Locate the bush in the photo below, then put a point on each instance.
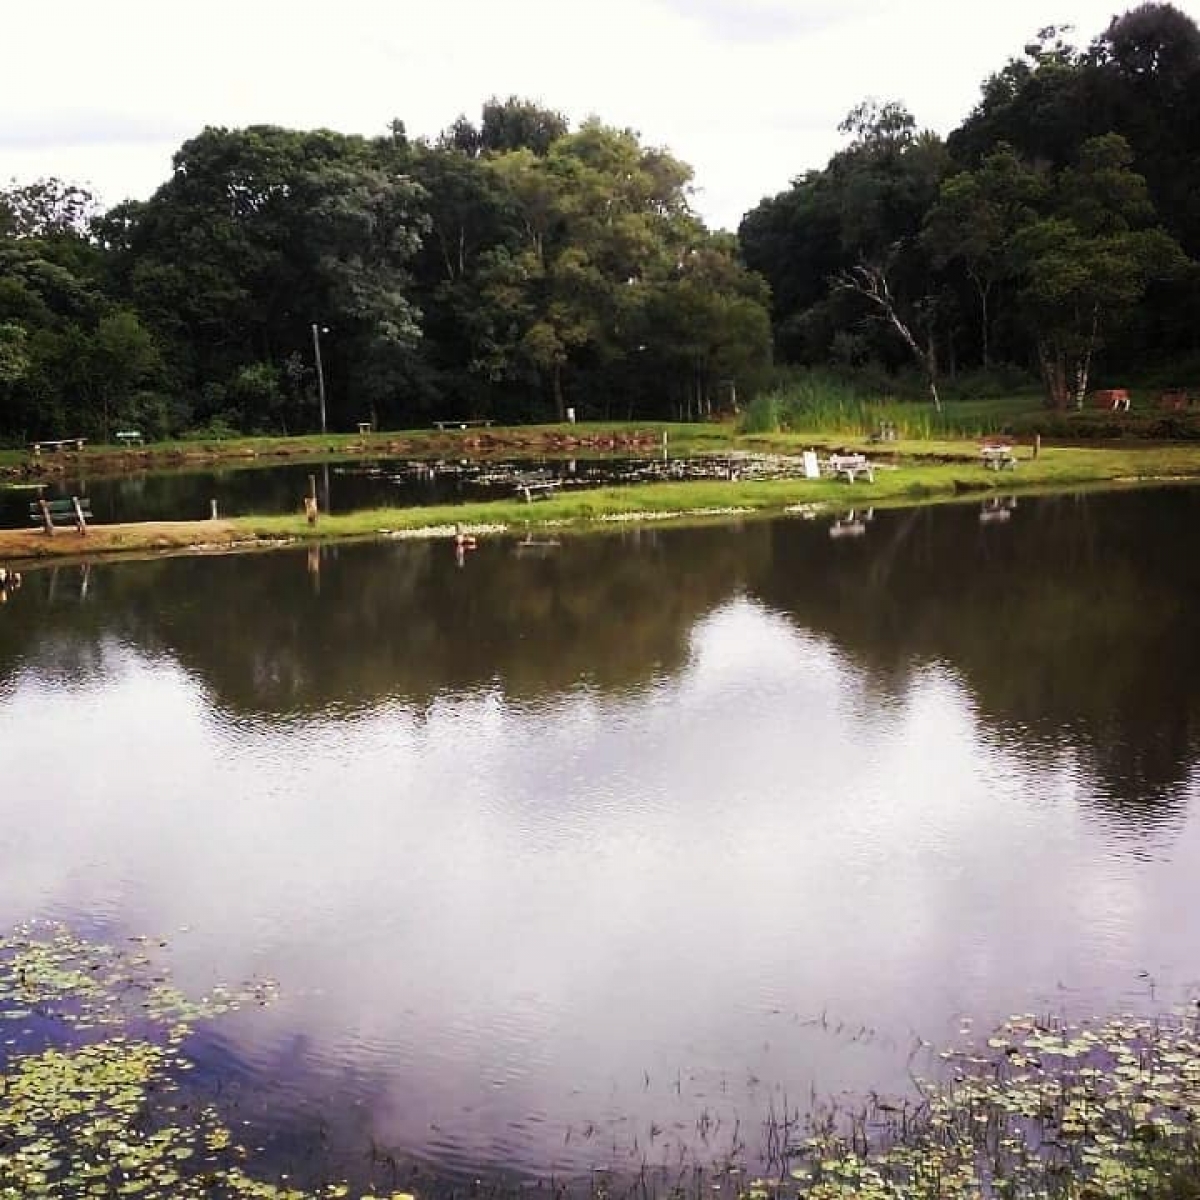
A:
(216, 429)
(761, 414)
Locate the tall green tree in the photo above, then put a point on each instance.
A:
(973, 222)
(1087, 261)
(860, 218)
(259, 234)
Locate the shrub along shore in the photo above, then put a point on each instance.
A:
(908, 473)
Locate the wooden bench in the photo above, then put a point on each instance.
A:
(57, 444)
(129, 437)
(998, 456)
(443, 425)
(49, 513)
(851, 466)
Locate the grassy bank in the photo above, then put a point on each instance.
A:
(799, 414)
(942, 472)
(523, 440)
(849, 406)
(908, 474)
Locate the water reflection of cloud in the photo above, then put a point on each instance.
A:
(531, 908)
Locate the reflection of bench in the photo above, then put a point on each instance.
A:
(129, 437)
(997, 508)
(1112, 399)
(57, 444)
(536, 489)
(443, 425)
(49, 513)
(851, 466)
(853, 524)
(998, 456)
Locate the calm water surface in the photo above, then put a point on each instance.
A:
(341, 486)
(593, 853)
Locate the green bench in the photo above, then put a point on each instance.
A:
(50, 513)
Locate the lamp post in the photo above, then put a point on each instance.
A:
(317, 330)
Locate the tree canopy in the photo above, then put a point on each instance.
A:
(514, 266)
(1054, 228)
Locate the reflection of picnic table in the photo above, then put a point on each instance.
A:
(997, 508)
(998, 456)
(852, 524)
(851, 466)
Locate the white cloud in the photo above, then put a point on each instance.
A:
(749, 93)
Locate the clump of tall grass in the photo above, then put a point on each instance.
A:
(823, 403)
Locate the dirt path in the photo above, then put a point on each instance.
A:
(27, 545)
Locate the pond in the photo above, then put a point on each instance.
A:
(602, 852)
(342, 486)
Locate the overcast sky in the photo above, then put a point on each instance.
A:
(749, 92)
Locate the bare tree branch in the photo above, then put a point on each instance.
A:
(870, 282)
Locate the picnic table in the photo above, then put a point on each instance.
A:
(460, 424)
(998, 456)
(536, 488)
(851, 466)
(56, 444)
(129, 437)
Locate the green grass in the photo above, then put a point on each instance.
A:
(808, 411)
(909, 472)
(573, 440)
(820, 403)
(936, 471)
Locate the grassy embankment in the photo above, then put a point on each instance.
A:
(934, 459)
(602, 437)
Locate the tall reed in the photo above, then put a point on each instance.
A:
(820, 403)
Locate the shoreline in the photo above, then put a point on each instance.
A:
(911, 482)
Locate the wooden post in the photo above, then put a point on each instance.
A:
(212, 509)
(80, 523)
(1037, 444)
(310, 509)
(47, 519)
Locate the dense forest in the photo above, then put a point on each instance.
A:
(516, 267)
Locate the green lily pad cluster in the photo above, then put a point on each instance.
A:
(90, 1063)
(1045, 1109)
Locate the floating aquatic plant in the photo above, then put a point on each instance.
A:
(91, 1039)
(1047, 1108)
